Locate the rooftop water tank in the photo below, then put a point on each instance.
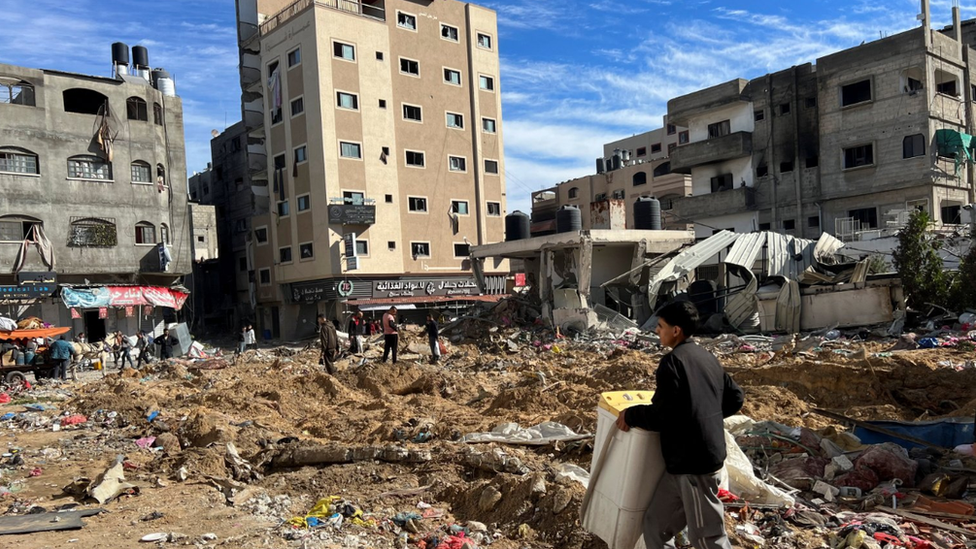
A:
(163, 82)
(647, 214)
(569, 219)
(517, 226)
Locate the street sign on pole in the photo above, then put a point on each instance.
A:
(350, 241)
(352, 263)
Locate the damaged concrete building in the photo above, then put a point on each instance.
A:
(848, 146)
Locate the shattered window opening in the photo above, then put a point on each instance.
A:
(16, 92)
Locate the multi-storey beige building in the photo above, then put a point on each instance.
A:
(631, 168)
(378, 119)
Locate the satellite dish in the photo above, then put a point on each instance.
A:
(214, 133)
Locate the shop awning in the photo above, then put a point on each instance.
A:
(31, 334)
(123, 296)
(380, 303)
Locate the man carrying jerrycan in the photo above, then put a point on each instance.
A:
(692, 398)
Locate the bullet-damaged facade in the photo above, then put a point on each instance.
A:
(375, 119)
(94, 169)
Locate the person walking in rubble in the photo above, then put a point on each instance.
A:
(61, 354)
(433, 331)
(391, 338)
(329, 343)
(694, 394)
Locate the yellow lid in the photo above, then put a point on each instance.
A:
(617, 401)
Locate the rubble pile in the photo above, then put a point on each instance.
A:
(489, 447)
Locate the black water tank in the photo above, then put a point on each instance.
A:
(601, 165)
(615, 163)
(647, 214)
(517, 226)
(140, 57)
(120, 53)
(569, 219)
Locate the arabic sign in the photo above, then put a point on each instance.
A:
(28, 291)
(349, 239)
(24, 277)
(352, 214)
(424, 287)
(122, 296)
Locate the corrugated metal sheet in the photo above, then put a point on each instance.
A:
(826, 249)
(788, 308)
(788, 256)
(743, 305)
(687, 260)
(746, 250)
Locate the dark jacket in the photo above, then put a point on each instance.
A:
(433, 331)
(166, 343)
(328, 338)
(692, 398)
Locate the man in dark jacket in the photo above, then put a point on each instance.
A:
(166, 343)
(692, 398)
(433, 331)
(329, 344)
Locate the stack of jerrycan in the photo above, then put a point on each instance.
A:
(624, 473)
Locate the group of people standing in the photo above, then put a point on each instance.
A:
(359, 328)
(246, 339)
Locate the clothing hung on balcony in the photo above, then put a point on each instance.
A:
(36, 237)
(951, 143)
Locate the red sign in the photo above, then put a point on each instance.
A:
(75, 313)
(128, 310)
(519, 280)
(103, 312)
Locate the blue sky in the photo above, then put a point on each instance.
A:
(575, 73)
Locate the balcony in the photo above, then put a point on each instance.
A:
(693, 208)
(257, 158)
(682, 109)
(371, 9)
(719, 149)
(253, 112)
(250, 69)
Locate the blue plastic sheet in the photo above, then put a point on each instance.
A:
(947, 433)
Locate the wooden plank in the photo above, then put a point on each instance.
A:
(954, 516)
(877, 429)
(929, 521)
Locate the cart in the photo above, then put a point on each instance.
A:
(15, 374)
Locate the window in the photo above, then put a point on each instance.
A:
(640, 178)
(415, 159)
(853, 94)
(304, 203)
(301, 154)
(455, 120)
(164, 234)
(600, 197)
(459, 207)
(671, 148)
(813, 161)
(417, 204)
(276, 116)
(912, 146)
(655, 148)
(145, 233)
(15, 228)
(389, 199)
(494, 209)
(382, 103)
(452, 76)
(457, 163)
(484, 41)
(284, 254)
(158, 114)
(391, 245)
(486, 83)
(488, 125)
(406, 21)
(662, 169)
(261, 235)
(786, 166)
(160, 175)
(136, 109)
(449, 33)
(618, 194)
(784, 109)
(379, 56)
(420, 249)
(264, 276)
(242, 264)
(858, 156)
(305, 251)
(641, 151)
(759, 115)
(722, 183)
(683, 137)
(574, 192)
(946, 83)
(16, 92)
(462, 250)
(350, 150)
(89, 167)
(867, 216)
(672, 129)
(82, 101)
(412, 112)
(762, 227)
(344, 51)
(294, 57)
(409, 66)
(762, 170)
(813, 222)
(347, 100)
(297, 106)
(810, 102)
(17, 160)
(354, 197)
(362, 247)
(789, 224)
(141, 172)
(719, 129)
(283, 210)
(491, 166)
(972, 92)
(952, 214)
